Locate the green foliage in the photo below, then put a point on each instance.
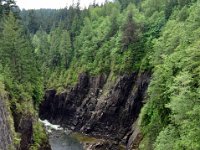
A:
(19, 67)
(168, 139)
(2, 86)
(65, 49)
(39, 136)
(153, 6)
(125, 3)
(169, 118)
(96, 49)
(5, 7)
(129, 30)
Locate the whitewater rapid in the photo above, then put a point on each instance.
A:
(60, 138)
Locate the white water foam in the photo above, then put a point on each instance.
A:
(50, 127)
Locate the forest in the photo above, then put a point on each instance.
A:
(49, 48)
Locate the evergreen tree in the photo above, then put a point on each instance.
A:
(55, 56)
(129, 30)
(6, 6)
(65, 49)
(32, 23)
(173, 107)
(17, 57)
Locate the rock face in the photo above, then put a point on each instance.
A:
(6, 141)
(98, 107)
(24, 125)
(101, 145)
(135, 137)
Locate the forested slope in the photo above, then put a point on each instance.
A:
(171, 116)
(20, 88)
(102, 39)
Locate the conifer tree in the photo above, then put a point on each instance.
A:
(129, 30)
(65, 49)
(18, 61)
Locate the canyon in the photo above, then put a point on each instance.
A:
(100, 107)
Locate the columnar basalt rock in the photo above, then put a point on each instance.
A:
(92, 108)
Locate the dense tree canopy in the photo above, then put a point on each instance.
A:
(170, 117)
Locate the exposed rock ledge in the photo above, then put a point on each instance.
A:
(97, 107)
(101, 145)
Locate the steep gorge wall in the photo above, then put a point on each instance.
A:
(21, 124)
(6, 141)
(98, 107)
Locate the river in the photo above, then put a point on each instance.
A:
(61, 139)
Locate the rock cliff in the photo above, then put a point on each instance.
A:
(6, 139)
(98, 106)
(24, 125)
(19, 123)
